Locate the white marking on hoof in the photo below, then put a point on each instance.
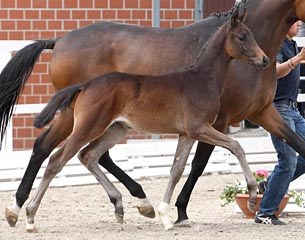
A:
(30, 228)
(145, 208)
(11, 214)
(163, 213)
(119, 218)
(15, 209)
(168, 225)
(143, 202)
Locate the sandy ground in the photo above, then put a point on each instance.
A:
(83, 213)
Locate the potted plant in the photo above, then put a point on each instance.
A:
(239, 193)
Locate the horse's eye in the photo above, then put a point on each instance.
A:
(243, 38)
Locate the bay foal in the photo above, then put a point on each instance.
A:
(185, 102)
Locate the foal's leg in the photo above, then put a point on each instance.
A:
(202, 155)
(89, 155)
(210, 135)
(199, 162)
(183, 149)
(56, 163)
(43, 146)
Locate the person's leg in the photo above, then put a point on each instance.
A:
(300, 129)
(280, 178)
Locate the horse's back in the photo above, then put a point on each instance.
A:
(105, 47)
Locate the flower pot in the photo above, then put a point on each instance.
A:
(241, 200)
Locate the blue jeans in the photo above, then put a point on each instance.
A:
(289, 166)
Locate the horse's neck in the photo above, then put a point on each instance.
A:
(208, 26)
(269, 21)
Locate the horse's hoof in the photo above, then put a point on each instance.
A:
(251, 206)
(168, 226)
(148, 211)
(11, 217)
(30, 228)
(119, 217)
(183, 223)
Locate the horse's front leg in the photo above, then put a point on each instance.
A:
(202, 155)
(182, 152)
(210, 135)
(43, 146)
(272, 121)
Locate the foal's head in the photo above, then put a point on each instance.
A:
(240, 43)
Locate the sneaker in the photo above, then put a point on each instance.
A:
(262, 185)
(268, 219)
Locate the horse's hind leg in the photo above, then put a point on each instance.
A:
(183, 149)
(43, 146)
(133, 187)
(55, 164)
(89, 155)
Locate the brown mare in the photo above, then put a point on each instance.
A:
(185, 102)
(103, 47)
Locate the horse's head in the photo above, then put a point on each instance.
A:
(240, 43)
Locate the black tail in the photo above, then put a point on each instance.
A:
(61, 100)
(14, 76)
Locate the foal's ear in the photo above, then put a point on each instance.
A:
(236, 18)
(243, 17)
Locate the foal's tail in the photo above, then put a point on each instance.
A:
(61, 100)
(14, 76)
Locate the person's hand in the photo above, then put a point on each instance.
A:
(301, 55)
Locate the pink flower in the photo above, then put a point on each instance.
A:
(261, 173)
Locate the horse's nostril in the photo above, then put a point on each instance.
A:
(265, 61)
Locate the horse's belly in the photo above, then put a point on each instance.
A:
(154, 124)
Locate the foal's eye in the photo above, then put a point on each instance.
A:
(243, 38)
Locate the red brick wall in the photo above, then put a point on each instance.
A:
(212, 6)
(34, 19)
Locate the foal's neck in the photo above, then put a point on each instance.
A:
(213, 60)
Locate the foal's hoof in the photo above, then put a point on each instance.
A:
(183, 223)
(30, 228)
(168, 226)
(148, 211)
(11, 217)
(119, 217)
(251, 206)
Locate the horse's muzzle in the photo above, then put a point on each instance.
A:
(265, 62)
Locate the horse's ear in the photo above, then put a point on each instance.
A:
(235, 19)
(243, 17)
